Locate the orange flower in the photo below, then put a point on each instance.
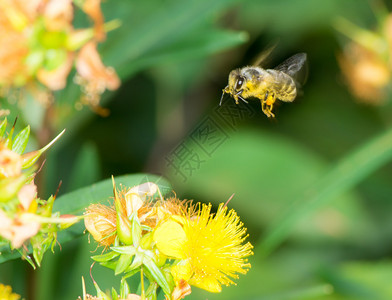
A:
(40, 43)
(100, 221)
(22, 226)
(93, 9)
(94, 76)
(58, 15)
(19, 229)
(366, 73)
(26, 195)
(56, 79)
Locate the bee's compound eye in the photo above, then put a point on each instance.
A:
(239, 83)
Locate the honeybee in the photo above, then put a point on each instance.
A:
(282, 82)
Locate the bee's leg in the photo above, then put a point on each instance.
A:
(265, 107)
(269, 101)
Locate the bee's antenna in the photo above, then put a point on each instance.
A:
(220, 102)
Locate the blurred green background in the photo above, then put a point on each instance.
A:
(313, 186)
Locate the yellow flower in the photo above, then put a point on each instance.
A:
(210, 247)
(6, 293)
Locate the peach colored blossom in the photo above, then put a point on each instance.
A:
(93, 9)
(91, 68)
(26, 195)
(56, 79)
(10, 163)
(18, 230)
(58, 15)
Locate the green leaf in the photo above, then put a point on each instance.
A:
(171, 23)
(361, 280)
(20, 141)
(196, 45)
(157, 274)
(86, 169)
(344, 175)
(76, 202)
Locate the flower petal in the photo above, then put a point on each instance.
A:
(91, 68)
(170, 238)
(56, 79)
(27, 194)
(93, 9)
(206, 283)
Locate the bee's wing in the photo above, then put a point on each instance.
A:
(296, 66)
(262, 59)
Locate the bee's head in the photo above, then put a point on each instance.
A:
(236, 81)
(235, 87)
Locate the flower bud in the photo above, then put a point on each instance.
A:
(100, 221)
(124, 229)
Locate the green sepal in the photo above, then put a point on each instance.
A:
(124, 229)
(124, 289)
(156, 273)
(8, 139)
(101, 294)
(27, 257)
(46, 208)
(151, 292)
(9, 187)
(109, 264)
(20, 141)
(114, 294)
(105, 257)
(136, 229)
(3, 126)
(123, 262)
(40, 246)
(147, 241)
(131, 273)
(130, 250)
(136, 263)
(30, 158)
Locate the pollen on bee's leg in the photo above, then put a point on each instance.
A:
(270, 100)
